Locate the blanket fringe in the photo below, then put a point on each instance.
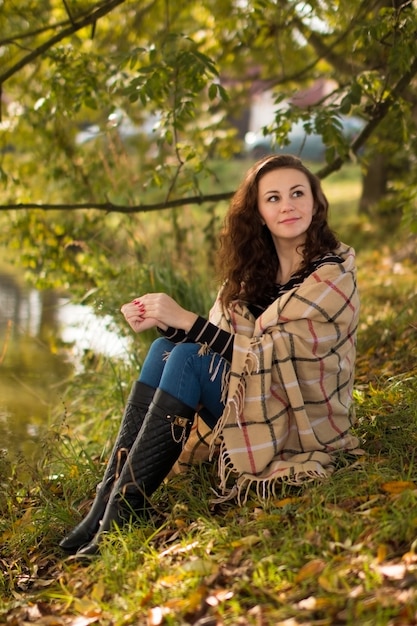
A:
(215, 369)
(204, 349)
(225, 382)
(265, 489)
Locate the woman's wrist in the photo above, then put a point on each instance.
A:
(188, 321)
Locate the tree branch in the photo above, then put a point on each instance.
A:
(13, 39)
(109, 207)
(380, 110)
(68, 10)
(77, 24)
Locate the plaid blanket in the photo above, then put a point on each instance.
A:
(289, 392)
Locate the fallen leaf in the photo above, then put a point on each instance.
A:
(286, 502)
(394, 571)
(180, 523)
(86, 607)
(397, 486)
(315, 604)
(219, 596)
(202, 567)
(156, 615)
(310, 569)
(381, 553)
(195, 599)
(178, 549)
(171, 579)
(249, 540)
(81, 620)
(98, 591)
(409, 557)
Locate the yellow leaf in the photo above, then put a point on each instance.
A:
(86, 607)
(397, 486)
(381, 553)
(97, 591)
(310, 569)
(409, 557)
(285, 502)
(180, 523)
(74, 471)
(171, 579)
(250, 540)
(333, 580)
(195, 599)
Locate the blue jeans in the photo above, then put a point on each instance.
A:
(194, 379)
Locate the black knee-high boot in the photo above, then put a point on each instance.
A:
(166, 427)
(136, 408)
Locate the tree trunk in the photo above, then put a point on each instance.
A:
(374, 184)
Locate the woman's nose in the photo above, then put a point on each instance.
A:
(287, 205)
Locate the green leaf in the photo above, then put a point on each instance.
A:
(212, 91)
(346, 104)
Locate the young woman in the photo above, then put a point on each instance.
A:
(270, 372)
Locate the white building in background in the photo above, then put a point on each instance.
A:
(263, 106)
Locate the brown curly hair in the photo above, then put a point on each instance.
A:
(247, 260)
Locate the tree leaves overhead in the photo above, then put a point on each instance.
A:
(193, 69)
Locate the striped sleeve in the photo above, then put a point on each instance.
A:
(176, 335)
(203, 331)
(217, 339)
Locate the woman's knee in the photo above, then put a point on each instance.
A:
(155, 360)
(181, 374)
(160, 346)
(182, 361)
(183, 351)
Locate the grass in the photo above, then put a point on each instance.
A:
(342, 551)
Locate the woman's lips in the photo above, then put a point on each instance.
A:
(290, 220)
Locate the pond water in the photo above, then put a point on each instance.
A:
(42, 339)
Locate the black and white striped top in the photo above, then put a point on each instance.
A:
(221, 341)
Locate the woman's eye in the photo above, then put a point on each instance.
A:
(298, 193)
(273, 199)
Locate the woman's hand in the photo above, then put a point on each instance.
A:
(157, 309)
(134, 316)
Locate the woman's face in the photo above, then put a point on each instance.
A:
(286, 205)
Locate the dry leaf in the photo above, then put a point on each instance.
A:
(381, 553)
(97, 591)
(201, 567)
(178, 549)
(397, 486)
(86, 607)
(81, 620)
(310, 569)
(220, 595)
(285, 502)
(250, 540)
(315, 604)
(157, 614)
(394, 571)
